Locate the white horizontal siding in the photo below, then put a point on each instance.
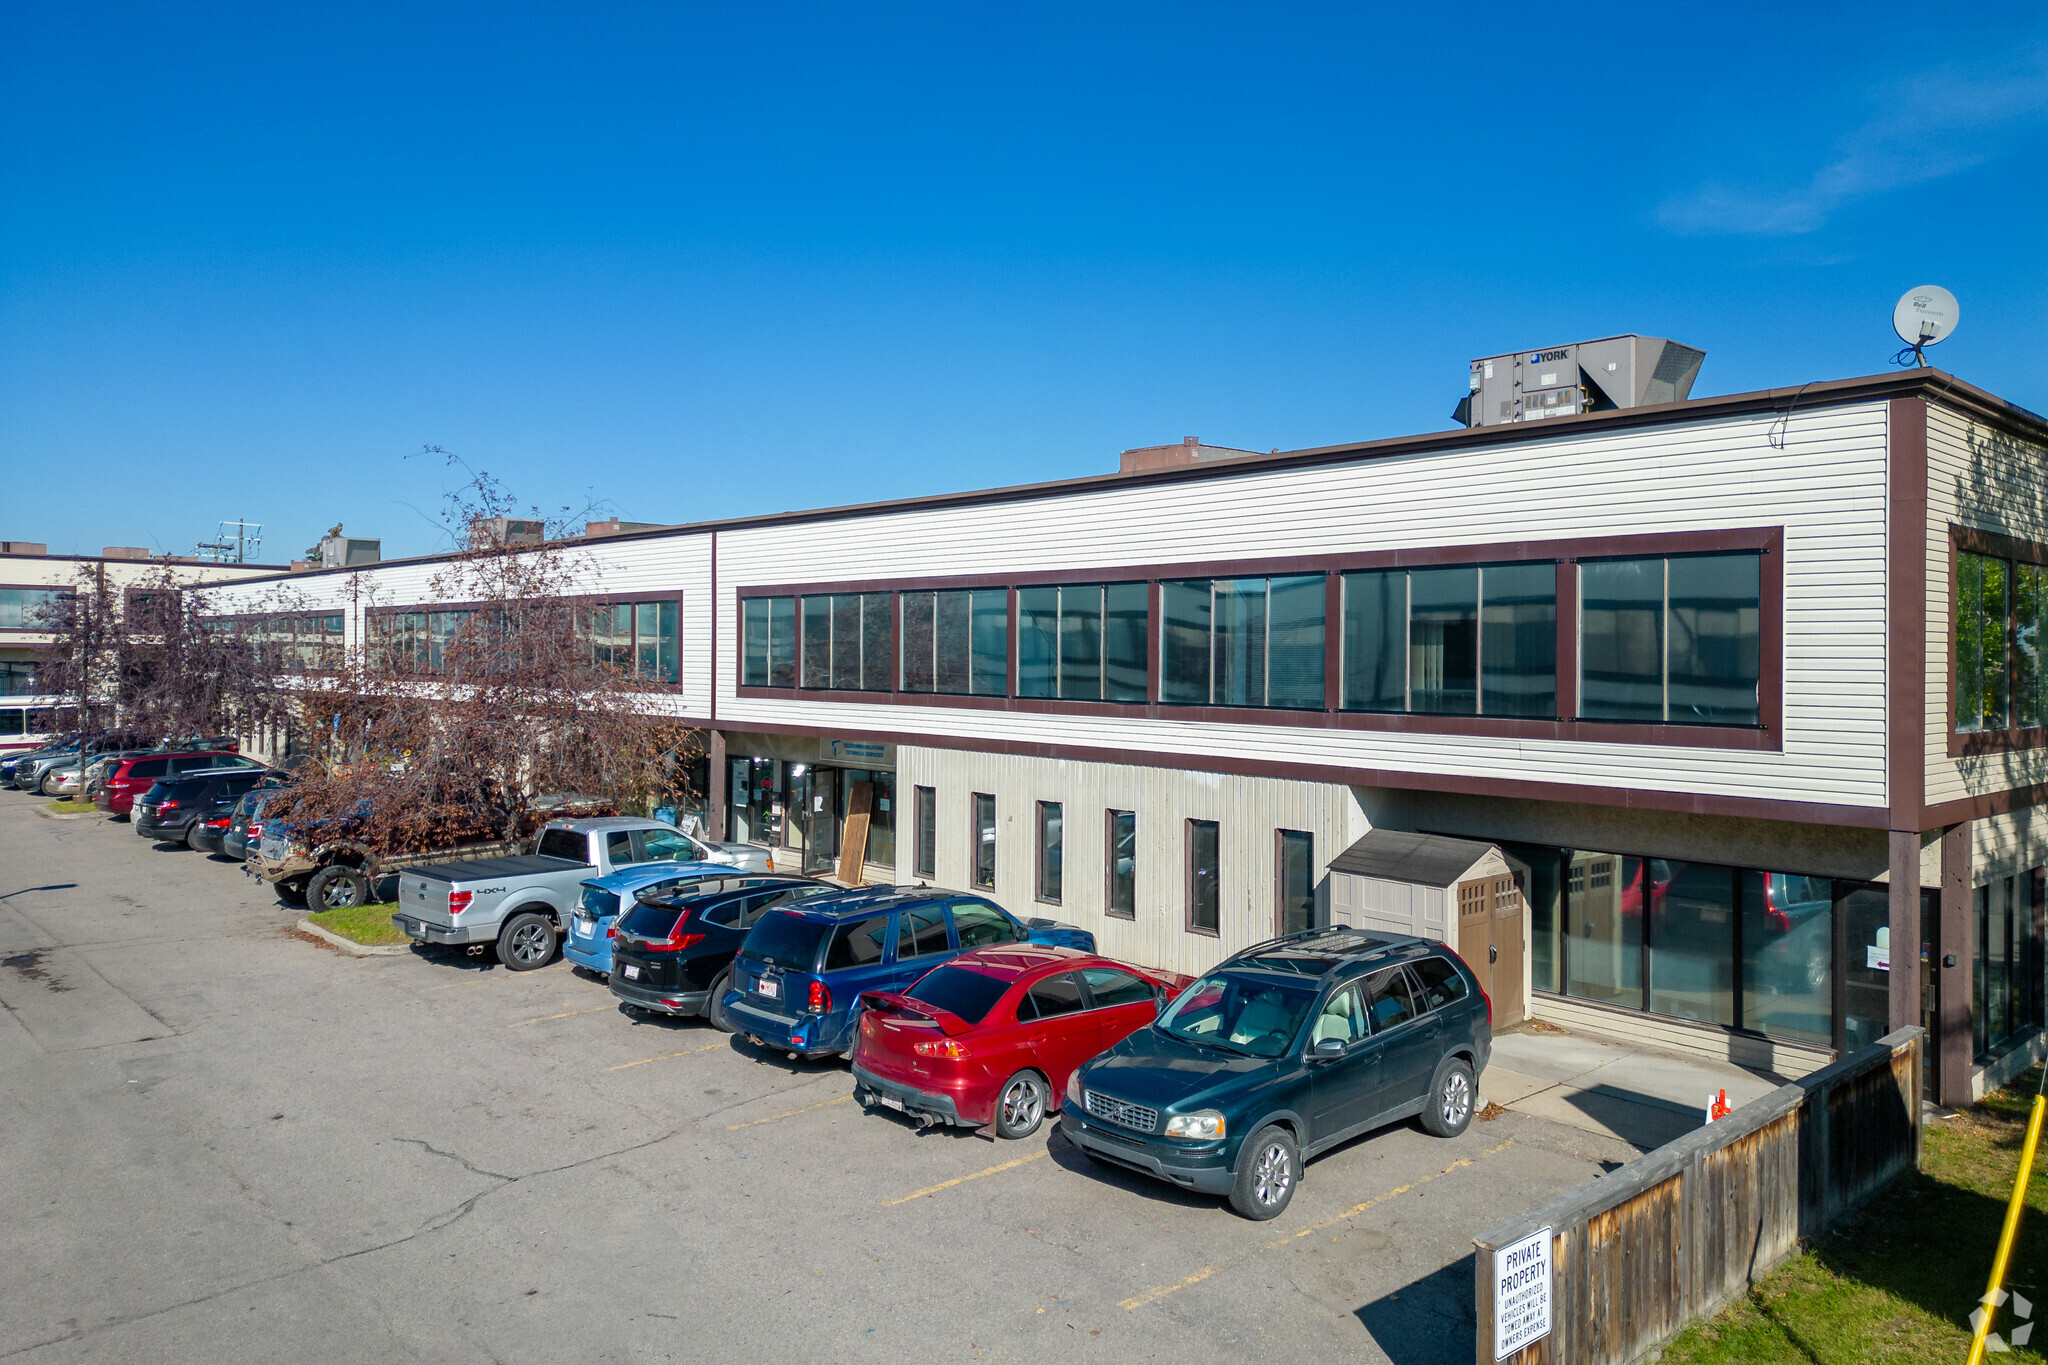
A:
(1821, 475)
(1987, 480)
(1247, 810)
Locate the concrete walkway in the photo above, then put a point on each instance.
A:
(1643, 1098)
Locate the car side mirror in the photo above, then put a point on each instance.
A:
(1327, 1048)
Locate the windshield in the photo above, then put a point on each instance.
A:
(1260, 1017)
(784, 940)
(959, 991)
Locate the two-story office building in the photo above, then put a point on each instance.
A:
(1741, 697)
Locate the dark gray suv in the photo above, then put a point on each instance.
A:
(1282, 1052)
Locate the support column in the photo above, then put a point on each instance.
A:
(1957, 1041)
(715, 798)
(1905, 925)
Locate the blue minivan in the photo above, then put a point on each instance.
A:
(800, 974)
(588, 944)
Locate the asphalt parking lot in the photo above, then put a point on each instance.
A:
(224, 1142)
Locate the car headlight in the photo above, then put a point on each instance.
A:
(1074, 1090)
(1206, 1123)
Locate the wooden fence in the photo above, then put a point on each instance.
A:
(1681, 1231)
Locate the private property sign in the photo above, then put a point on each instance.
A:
(1521, 1293)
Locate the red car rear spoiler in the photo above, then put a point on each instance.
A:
(890, 1002)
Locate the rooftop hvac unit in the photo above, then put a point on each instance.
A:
(345, 552)
(1586, 376)
(495, 532)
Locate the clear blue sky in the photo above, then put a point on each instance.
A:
(747, 258)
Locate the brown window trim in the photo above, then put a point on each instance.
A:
(1767, 736)
(995, 826)
(1187, 836)
(2013, 738)
(1038, 895)
(1280, 877)
(1109, 909)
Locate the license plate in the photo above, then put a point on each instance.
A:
(584, 927)
(889, 1100)
(632, 973)
(769, 988)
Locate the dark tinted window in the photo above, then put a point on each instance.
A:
(923, 930)
(651, 919)
(563, 843)
(759, 905)
(959, 991)
(1441, 983)
(858, 943)
(1389, 1000)
(1050, 998)
(150, 767)
(618, 846)
(786, 941)
(982, 926)
(1110, 987)
(725, 914)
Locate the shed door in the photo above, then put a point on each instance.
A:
(1490, 941)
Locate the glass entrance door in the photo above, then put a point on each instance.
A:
(1863, 1006)
(821, 821)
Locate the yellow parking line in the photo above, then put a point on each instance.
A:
(542, 1019)
(686, 1052)
(1158, 1292)
(962, 1180)
(787, 1113)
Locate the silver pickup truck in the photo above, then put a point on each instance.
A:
(523, 903)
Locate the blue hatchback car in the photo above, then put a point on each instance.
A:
(800, 974)
(588, 943)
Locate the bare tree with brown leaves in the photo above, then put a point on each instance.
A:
(476, 719)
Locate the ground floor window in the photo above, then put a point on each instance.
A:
(1122, 870)
(2006, 980)
(983, 837)
(927, 827)
(1294, 881)
(1204, 904)
(1051, 850)
(1805, 959)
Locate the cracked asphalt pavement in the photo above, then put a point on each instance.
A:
(224, 1143)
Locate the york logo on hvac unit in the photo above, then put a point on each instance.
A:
(1545, 357)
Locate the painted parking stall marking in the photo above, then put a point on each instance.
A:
(963, 1179)
(787, 1113)
(686, 1052)
(1158, 1292)
(571, 1014)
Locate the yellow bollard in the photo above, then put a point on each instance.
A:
(2012, 1225)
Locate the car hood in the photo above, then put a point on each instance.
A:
(1159, 1071)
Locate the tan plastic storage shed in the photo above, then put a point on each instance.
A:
(1457, 891)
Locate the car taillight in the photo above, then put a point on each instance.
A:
(458, 901)
(944, 1047)
(254, 830)
(676, 943)
(1489, 1006)
(166, 805)
(821, 999)
(216, 824)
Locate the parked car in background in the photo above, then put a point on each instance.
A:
(1281, 1052)
(10, 763)
(989, 1039)
(245, 826)
(171, 810)
(802, 969)
(132, 777)
(523, 904)
(672, 952)
(588, 942)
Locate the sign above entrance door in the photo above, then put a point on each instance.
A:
(859, 753)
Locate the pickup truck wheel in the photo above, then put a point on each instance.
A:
(714, 1008)
(292, 892)
(337, 888)
(527, 942)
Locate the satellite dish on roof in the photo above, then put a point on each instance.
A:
(1923, 317)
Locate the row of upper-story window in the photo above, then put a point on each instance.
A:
(1671, 639)
(2000, 683)
(639, 638)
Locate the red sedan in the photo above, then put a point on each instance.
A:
(989, 1039)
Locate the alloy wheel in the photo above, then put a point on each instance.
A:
(1457, 1099)
(1273, 1175)
(1023, 1106)
(529, 942)
(339, 894)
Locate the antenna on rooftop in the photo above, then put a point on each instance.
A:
(234, 542)
(1923, 317)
